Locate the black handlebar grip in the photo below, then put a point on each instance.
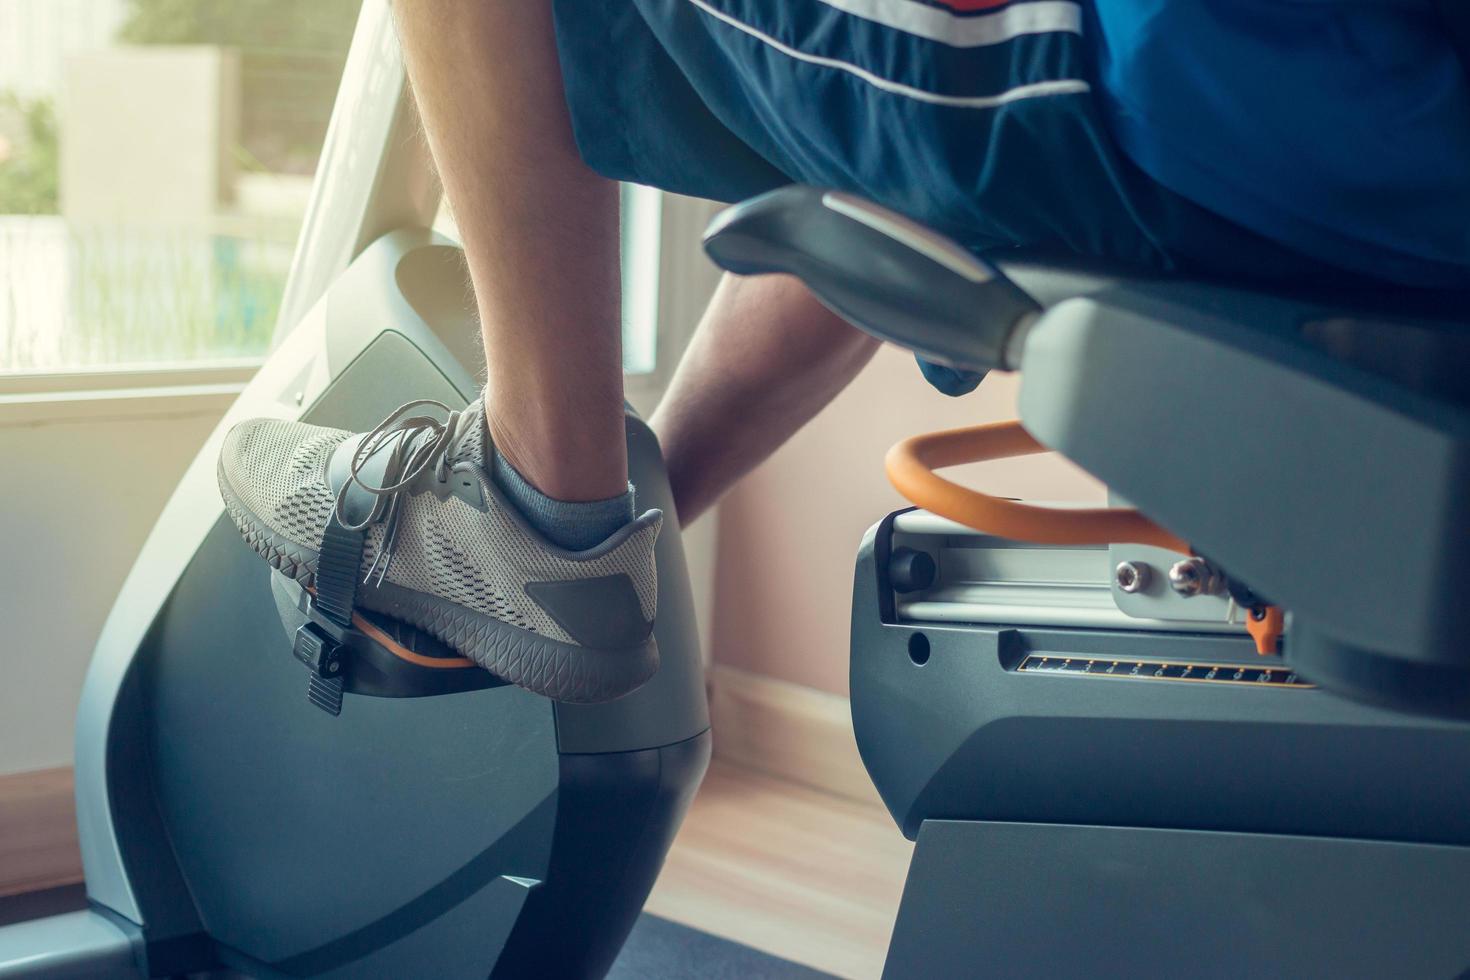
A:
(888, 276)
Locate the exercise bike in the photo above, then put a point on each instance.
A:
(1105, 770)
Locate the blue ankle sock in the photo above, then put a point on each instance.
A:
(573, 525)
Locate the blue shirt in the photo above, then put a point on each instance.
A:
(1338, 127)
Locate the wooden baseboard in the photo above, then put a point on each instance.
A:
(38, 831)
(787, 730)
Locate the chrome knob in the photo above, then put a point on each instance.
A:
(1192, 577)
(1132, 577)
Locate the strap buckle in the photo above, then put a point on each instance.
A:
(325, 657)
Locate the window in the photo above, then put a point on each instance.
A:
(156, 161)
(155, 164)
(642, 227)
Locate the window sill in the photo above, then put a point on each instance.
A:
(164, 375)
(102, 396)
(131, 393)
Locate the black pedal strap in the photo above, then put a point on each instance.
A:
(321, 641)
(338, 570)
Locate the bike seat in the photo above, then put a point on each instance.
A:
(1313, 444)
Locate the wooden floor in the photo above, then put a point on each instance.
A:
(793, 871)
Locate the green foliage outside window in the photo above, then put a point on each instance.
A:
(29, 156)
(299, 25)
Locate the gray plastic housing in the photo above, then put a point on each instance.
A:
(1249, 425)
(228, 820)
(1071, 823)
(965, 735)
(1128, 902)
(73, 946)
(887, 275)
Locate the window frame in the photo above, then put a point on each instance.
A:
(126, 391)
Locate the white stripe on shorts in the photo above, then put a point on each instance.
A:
(1057, 86)
(978, 30)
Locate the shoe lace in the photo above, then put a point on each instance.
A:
(415, 442)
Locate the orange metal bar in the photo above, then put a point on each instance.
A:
(1266, 630)
(911, 465)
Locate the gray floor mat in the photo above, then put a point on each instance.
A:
(657, 949)
(660, 949)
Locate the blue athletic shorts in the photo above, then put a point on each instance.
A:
(977, 117)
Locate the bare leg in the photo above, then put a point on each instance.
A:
(767, 357)
(540, 233)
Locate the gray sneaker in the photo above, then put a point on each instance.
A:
(446, 552)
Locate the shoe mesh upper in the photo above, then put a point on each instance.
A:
(277, 469)
(445, 547)
(484, 560)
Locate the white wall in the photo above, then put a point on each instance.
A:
(148, 133)
(77, 499)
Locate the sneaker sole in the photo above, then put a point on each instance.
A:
(557, 670)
